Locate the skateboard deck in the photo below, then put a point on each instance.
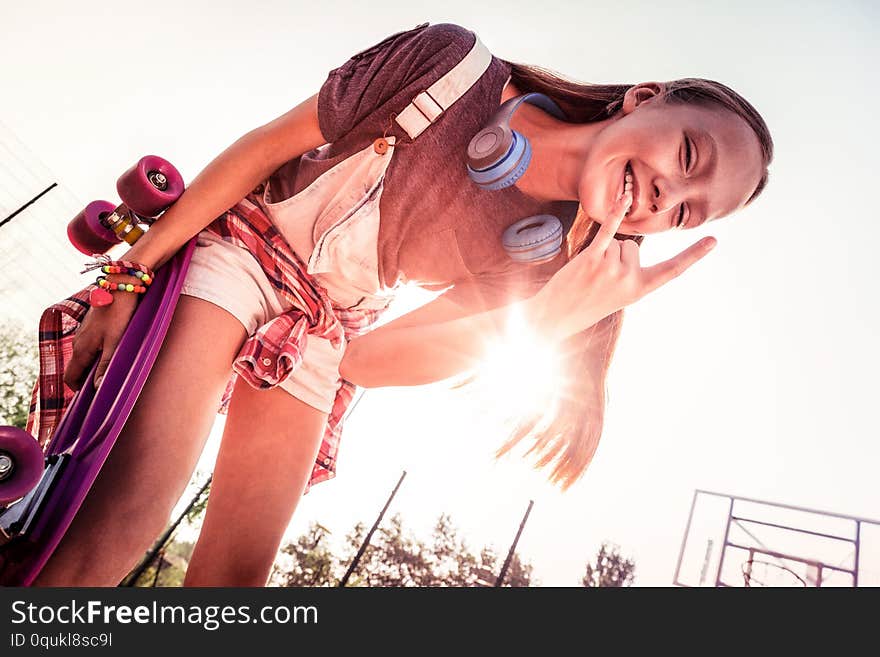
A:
(32, 527)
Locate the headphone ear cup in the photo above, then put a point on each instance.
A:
(507, 164)
(489, 146)
(534, 239)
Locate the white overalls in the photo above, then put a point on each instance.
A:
(335, 220)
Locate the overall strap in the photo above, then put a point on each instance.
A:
(430, 104)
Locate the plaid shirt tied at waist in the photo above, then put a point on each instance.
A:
(265, 360)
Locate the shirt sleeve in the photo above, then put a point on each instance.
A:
(387, 76)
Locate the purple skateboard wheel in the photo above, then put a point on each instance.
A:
(88, 233)
(21, 463)
(150, 186)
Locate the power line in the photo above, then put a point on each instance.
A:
(28, 204)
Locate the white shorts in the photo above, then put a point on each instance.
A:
(230, 277)
(335, 221)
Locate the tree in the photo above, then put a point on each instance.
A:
(307, 561)
(19, 366)
(453, 563)
(168, 567)
(610, 569)
(519, 573)
(395, 557)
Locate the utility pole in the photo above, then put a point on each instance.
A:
(363, 548)
(501, 575)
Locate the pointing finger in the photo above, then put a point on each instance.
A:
(661, 273)
(610, 226)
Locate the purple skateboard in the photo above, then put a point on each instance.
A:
(32, 526)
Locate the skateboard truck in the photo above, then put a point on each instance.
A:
(124, 222)
(17, 518)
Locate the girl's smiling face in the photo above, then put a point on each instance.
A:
(690, 163)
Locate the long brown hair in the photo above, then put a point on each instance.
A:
(567, 442)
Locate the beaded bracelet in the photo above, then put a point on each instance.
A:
(101, 296)
(108, 266)
(142, 275)
(122, 287)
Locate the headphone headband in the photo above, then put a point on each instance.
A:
(497, 142)
(539, 100)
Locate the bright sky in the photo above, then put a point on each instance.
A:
(753, 374)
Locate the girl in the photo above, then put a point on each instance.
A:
(306, 193)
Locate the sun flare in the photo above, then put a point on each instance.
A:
(521, 370)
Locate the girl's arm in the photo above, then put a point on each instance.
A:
(222, 184)
(228, 178)
(436, 342)
(433, 342)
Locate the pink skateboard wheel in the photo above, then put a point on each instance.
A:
(21, 464)
(150, 186)
(88, 233)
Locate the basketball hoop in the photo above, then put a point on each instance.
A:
(764, 573)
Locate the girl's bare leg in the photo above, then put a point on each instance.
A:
(266, 456)
(153, 460)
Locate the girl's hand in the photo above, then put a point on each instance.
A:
(605, 277)
(99, 333)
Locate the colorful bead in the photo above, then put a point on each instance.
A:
(129, 288)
